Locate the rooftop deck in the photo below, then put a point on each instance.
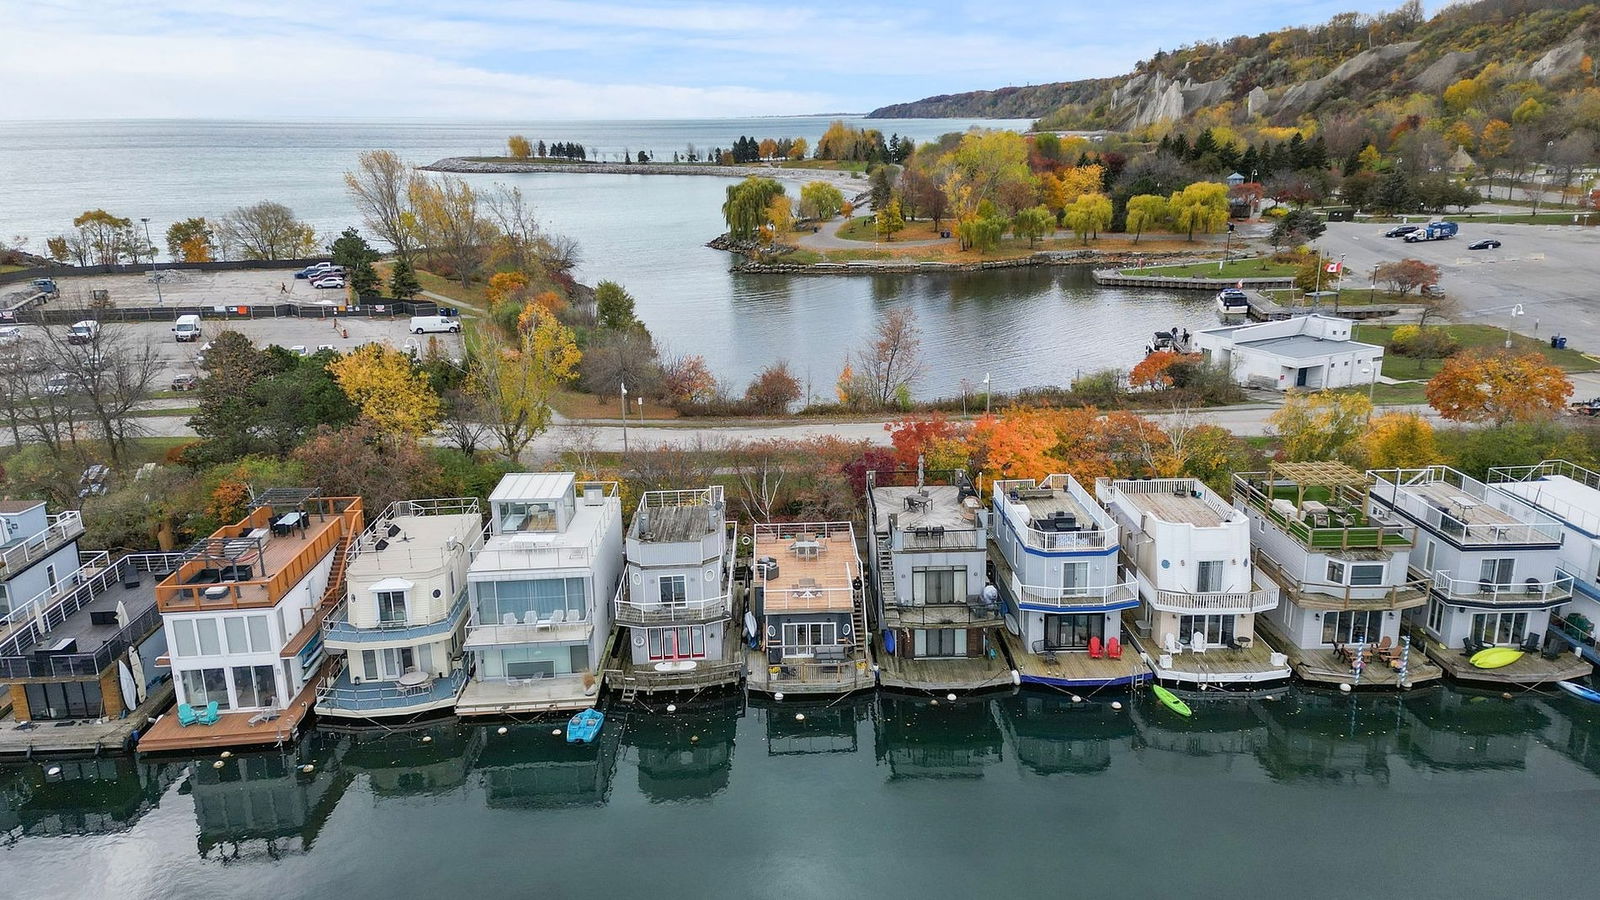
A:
(1461, 508)
(931, 506)
(246, 728)
(1563, 490)
(574, 548)
(415, 537)
(676, 517)
(1322, 513)
(1074, 668)
(816, 567)
(1180, 501)
(1054, 514)
(252, 564)
(23, 550)
(98, 612)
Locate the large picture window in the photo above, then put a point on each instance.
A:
(202, 686)
(803, 638)
(1499, 628)
(496, 599)
(1352, 626)
(938, 585)
(936, 642)
(685, 642)
(1218, 630)
(254, 686)
(1073, 632)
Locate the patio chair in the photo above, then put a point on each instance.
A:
(186, 715)
(558, 617)
(508, 619)
(531, 618)
(1169, 643)
(1114, 649)
(1041, 650)
(211, 714)
(1383, 646)
(1094, 648)
(1197, 643)
(1532, 642)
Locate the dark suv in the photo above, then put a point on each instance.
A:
(1400, 231)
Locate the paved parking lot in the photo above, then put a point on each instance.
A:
(185, 287)
(1550, 270)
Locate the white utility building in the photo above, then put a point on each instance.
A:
(1310, 352)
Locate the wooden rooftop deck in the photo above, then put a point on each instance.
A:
(809, 583)
(1073, 668)
(233, 729)
(1531, 669)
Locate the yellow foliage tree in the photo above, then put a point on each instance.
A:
(519, 147)
(516, 381)
(505, 286)
(1320, 425)
(384, 384)
(1399, 440)
(1202, 207)
(1088, 215)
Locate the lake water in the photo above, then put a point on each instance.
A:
(1441, 793)
(1025, 327)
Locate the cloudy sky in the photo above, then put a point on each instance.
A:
(550, 59)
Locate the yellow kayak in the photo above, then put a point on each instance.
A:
(1495, 657)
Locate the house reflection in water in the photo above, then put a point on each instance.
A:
(1465, 729)
(432, 759)
(953, 739)
(1221, 726)
(263, 805)
(1573, 730)
(78, 796)
(528, 767)
(684, 755)
(1054, 736)
(827, 727)
(1324, 736)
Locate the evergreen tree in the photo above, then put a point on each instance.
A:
(403, 283)
(541, 149)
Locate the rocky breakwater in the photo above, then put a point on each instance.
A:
(847, 182)
(761, 261)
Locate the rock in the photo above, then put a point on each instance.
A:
(1562, 60)
(1305, 94)
(1255, 102)
(1442, 72)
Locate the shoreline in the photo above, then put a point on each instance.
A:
(461, 165)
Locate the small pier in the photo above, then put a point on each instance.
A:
(1075, 668)
(1320, 666)
(988, 671)
(1532, 669)
(249, 728)
(1116, 278)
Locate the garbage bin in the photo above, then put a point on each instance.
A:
(1559, 342)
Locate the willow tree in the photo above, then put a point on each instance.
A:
(746, 209)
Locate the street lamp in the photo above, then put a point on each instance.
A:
(1515, 311)
(1372, 385)
(152, 246)
(640, 401)
(1375, 282)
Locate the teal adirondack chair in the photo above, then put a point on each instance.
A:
(186, 715)
(210, 714)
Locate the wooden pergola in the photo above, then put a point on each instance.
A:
(1329, 474)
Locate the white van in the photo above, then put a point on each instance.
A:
(83, 332)
(426, 324)
(187, 329)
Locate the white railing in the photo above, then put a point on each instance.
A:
(786, 532)
(1448, 517)
(63, 527)
(51, 606)
(1107, 488)
(1066, 598)
(421, 557)
(1585, 518)
(1482, 590)
(1259, 599)
(630, 612)
(793, 597)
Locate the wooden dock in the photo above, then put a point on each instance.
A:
(1532, 669)
(1115, 278)
(1074, 668)
(806, 677)
(81, 736)
(1327, 667)
(963, 674)
(233, 729)
(1217, 667)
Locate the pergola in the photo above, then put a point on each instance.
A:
(1335, 476)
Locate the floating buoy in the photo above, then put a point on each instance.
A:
(694, 738)
(308, 768)
(672, 707)
(427, 739)
(1016, 677)
(227, 753)
(778, 696)
(556, 732)
(799, 717)
(1076, 699)
(1344, 688)
(217, 764)
(951, 697)
(935, 702)
(1116, 704)
(1506, 696)
(53, 771)
(500, 730)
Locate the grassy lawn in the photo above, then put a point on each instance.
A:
(833, 165)
(1469, 336)
(446, 287)
(9, 268)
(1402, 394)
(1235, 268)
(575, 405)
(1347, 297)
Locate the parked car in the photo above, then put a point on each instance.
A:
(184, 381)
(330, 281)
(1399, 231)
(10, 334)
(315, 269)
(1485, 244)
(58, 384)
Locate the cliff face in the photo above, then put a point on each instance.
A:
(1288, 73)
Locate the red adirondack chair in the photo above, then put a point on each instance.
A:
(1094, 648)
(1114, 648)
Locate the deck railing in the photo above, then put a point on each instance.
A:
(337, 627)
(683, 612)
(1578, 516)
(1107, 488)
(63, 527)
(1259, 599)
(51, 606)
(1530, 592)
(1371, 536)
(382, 695)
(1331, 596)
(430, 557)
(16, 657)
(1094, 535)
(1394, 488)
(1073, 597)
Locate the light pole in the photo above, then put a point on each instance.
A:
(624, 386)
(640, 402)
(1338, 287)
(1374, 282)
(1515, 311)
(1227, 249)
(986, 394)
(152, 246)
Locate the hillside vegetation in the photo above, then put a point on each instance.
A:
(1343, 67)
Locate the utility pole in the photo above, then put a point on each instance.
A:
(154, 276)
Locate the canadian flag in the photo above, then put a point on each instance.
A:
(1333, 268)
(1239, 283)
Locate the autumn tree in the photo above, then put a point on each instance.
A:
(1154, 371)
(887, 221)
(614, 307)
(746, 206)
(1319, 426)
(687, 379)
(772, 390)
(1498, 387)
(385, 385)
(452, 224)
(1146, 211)
(267, 230)
(192, 240)
(1089, 215)
(105, 239)
(362, 460)
(1406, 275)
(516, 380)
(1033, 223)
(892, 362)
(379, 187)
(519, 147)
(988, 166)
(1202, 206)
(780, 216)
(820, 200)
(1399, 440)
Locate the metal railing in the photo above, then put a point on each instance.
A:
(1372, 536)
(1585, 518)
(1395, 488)
(380, 527)
(924, 539)
(63, 527)
(630, 612)
(381, 695)
(1334, 596)
(51, 606)
(1259, 599)
(1009, 497)
(1072, 597)
(16, 658)
(1483, 591)
(1107, 488)
(337, 627)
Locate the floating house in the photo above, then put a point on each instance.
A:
(1343, 577)
(675, 611)
(806, 604)
(1200, 590)
(243, 615)
(1312, 352)
(1492, 561)
(1570, 494)
(542, 590)
(397, 636)
(938, 618)
(1054, 553)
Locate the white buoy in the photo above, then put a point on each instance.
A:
(694, 738)
(1344, 688)
(427, 739)
(227, 753)
(217, 764)
(1076, 699)
(951, 697)
(672, 707)
(778, 695)
(1016, 677)
(1116, 704)
(935, 702)
(799, 717)
(501, 730)
(308, 768)
(53, 771)
(556, 732)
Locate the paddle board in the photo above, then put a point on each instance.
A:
(1582, 692)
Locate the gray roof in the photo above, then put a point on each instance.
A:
(532, 486)
(1300, 346)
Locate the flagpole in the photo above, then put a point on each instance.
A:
(1339, 287)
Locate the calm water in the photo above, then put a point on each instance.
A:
(1440, 794)
(1025, 327)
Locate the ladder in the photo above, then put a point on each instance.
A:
(885, 574)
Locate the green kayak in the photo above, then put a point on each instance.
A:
(1171, 701)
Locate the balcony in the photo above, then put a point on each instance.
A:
(683, 612)
(63, 528)
(1055, 515)
(1333, 597)
(1531, 593)
(341, 696)
(339, 632)
(542, 631)
(1461, 508)
(937, 538)
(1111, 596)
(1257, 600)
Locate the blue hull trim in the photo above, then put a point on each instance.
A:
(1128, 681)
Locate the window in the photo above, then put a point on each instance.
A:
(369, 665)
(1496, 573)
(1218, 630)
(687, 642)
(674, 588)
(938, 585)
(425, 657)
(496, 599)
(64, 700)
(202, 686)
(1073, 632)
(391, 607)
(1435, 615)
(1208, 576)
(254, 687)
(183, 638)
(207, 629)
(260, 638)
(936, 642)
(1352, 626)
(803, 638)
(1427, 558)
(1336, 571)
(233, 629)
(579, 657)
(1499, 628)
(1369, 575)
(1075, 578)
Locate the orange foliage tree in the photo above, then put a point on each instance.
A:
(1498, 387)
(1155, 370)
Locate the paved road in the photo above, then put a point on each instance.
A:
(1550, 270)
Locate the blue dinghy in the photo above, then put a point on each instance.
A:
(1582, 692)
(585, 726)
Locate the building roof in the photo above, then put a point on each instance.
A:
(933, 506)
(1300, 346)
(532, 486)
(17, 506)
